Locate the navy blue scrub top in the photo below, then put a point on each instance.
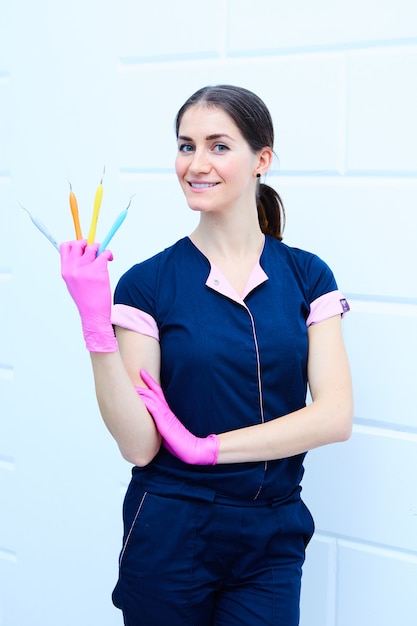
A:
(229, 360)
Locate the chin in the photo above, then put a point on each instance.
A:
(196, 204)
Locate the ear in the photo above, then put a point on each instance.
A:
(265, 158)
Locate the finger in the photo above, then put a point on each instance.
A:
(105, 256)
(149, 381)
(90, 252)
(145, 393)
(65, 250)
(73, 248)
(77, 248)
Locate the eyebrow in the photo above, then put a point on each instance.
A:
(208, 138)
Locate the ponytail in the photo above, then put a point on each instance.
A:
(271, 212)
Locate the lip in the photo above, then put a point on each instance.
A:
(201, 185)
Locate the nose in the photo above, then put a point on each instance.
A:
(200, 163)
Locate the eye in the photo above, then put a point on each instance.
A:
(185, 147)
(220, 147)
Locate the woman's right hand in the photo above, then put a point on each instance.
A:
(87, 279)
(176, 438)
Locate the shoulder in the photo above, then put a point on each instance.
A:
(305, 263)
(315, 280)
(154, 262)
(144, 275)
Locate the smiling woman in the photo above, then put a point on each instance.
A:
(245, 123)
(217, 170)
(204, 387)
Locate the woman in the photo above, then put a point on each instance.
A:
(233, 324)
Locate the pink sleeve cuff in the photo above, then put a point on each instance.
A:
(328, 305)
(134, 319)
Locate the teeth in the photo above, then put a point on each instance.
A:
(202, 185)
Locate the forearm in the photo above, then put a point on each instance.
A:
(327, 419)
(123, 411)
(316, 425)
(86, 275)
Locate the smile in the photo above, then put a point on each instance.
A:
(202, 185)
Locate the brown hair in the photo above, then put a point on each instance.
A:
(254, 121)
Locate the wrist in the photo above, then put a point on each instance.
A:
(100, 339)
(214, 448)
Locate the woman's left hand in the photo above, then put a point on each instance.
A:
(176, 438)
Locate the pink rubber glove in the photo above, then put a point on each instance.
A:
(176, 438)
(88, 282)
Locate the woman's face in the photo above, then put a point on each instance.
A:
(215, 165)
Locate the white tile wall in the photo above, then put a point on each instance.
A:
(88, 84)
(364, 227)
(5, 122)
(285, 27)
(381, 111)
(319, 583)
(371, 496)
(186, 30)
(383, 336)
(377, 586)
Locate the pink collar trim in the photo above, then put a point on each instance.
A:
(218, 282)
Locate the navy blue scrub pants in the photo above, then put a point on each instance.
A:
(211, 562)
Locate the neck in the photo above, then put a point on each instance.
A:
(220, 237)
